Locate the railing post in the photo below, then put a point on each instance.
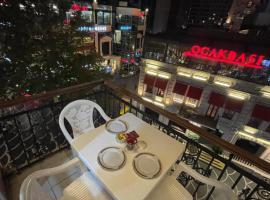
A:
(220, 176)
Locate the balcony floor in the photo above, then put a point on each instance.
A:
(53, 185)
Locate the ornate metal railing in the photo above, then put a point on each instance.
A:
(29, 132)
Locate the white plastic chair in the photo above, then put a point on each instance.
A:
(79, 114)
(83, 188)
(171, 189)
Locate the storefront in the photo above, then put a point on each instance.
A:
(238, 64)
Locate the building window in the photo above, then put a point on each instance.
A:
(191, 102)
(178, 98)
(160, 92)
(103, 18)
(87, 16)
(117, 37)
(228, 114)
(100, 17)
(148, 88)
(254, 122)
(212, 111)
(107, 18)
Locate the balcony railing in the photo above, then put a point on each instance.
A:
(29, 132)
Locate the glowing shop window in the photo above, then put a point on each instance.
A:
(117, 37)
(87, 16)
(191, 102)
(178, 98)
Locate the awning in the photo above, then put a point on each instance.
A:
(261, 112)
(217, 99)
(149, 80)
(194, 92)
(234, 105)
(161, 83)
(180, 88)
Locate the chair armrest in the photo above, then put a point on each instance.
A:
(32, 178)
(56, 170)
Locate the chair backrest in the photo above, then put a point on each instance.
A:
(31, 190)
(224, 191)
(79, 114)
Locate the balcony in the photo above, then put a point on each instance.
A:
(30, 139)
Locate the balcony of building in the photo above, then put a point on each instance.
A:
(30, 139)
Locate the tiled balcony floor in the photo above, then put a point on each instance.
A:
(53, 185)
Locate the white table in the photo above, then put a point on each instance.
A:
(125, 184)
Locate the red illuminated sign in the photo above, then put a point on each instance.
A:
(225, 56)
(77, 7)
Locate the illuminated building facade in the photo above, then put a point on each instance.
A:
(117, 33)
(194, 82)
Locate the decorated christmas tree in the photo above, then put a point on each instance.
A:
(38, 51)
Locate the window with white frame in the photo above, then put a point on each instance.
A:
(178, 98)
(191, 102)
(228, 114)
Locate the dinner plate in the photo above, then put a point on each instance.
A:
(147, 165)
(111, 158)
(116, 126)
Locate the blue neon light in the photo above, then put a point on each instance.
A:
(266, 63)
(125, 28)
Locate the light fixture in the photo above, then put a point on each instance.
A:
(147, 99)
(250, 130)
(184, 74)
(140, 92)
(158, 104)
(236, 96)
(178, 100)
(191, 104)
(263, 141)
(164, 76)
(252, 138)
(152, 66)
(201, 78)
(159, 99)
(266, 94)
(151, 73)
(246, 135)
(225, 84)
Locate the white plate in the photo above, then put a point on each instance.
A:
(147, 165)
(116, 126)
(112, 158)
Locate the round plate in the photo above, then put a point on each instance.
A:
(116, 126)
(111, 158)
(147, 165)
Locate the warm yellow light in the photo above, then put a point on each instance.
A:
(159, 99)
(191, 104)
(167, 101)
(164, 76)
(263, 141)
(178, 100)
(236, 96)
(140, 92)
(201, 78)
(222, 83)
(147, 99)
(246, 135)
(158, 104)
(152, 66)
(251, 130)
(184, 74)
(266, 94)
(151, 73)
